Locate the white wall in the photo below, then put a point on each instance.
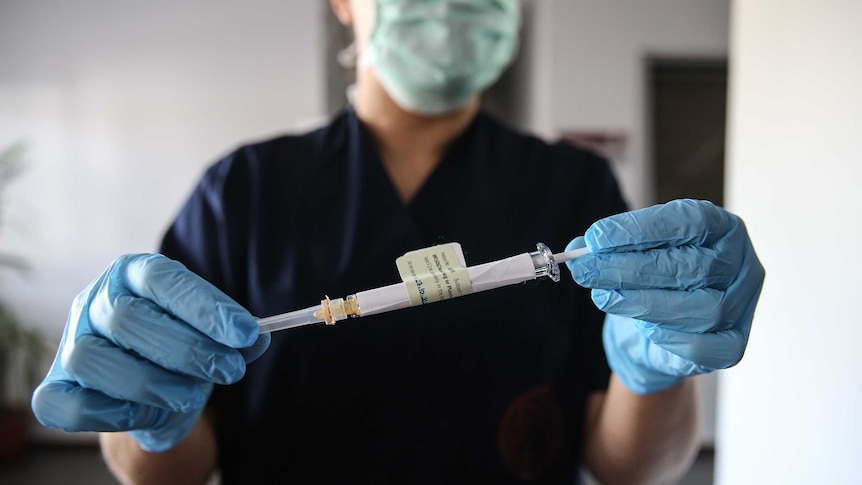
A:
(596, 67)
(791, 413)
(122, 106)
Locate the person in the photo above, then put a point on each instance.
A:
(523, 383)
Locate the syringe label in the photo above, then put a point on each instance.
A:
(434, 274)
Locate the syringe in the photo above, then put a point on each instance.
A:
(487, 276)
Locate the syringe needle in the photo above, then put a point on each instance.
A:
(296, 318)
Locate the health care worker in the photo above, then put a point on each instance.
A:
(499, 387)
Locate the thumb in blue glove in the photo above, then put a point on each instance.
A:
(679, 282)
(142, 348)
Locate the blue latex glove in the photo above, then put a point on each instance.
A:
(142, 347)
(679, 283)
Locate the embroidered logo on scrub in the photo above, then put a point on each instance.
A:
(530, 435)
(434, 274)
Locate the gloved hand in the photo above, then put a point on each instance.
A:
(142, 347)
(679, 283)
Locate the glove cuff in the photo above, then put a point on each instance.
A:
(628, 356)
(162, 438)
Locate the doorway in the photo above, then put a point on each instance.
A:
(688, 100)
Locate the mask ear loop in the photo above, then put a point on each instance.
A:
(347, 57)
(350, 58)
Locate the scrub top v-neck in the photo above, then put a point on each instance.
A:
(489, 388)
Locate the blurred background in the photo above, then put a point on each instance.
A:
(110, 111)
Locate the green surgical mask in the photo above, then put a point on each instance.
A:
(433, 56)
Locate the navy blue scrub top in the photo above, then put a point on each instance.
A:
(487, 388)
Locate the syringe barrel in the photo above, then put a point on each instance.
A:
(487, 276)
(495, 274)
(383, 299)
(503, 272)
